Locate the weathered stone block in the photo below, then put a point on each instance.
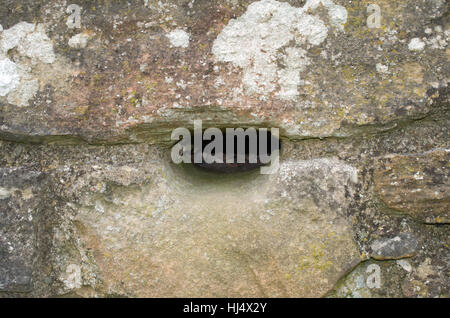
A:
(416, 184)
(17, 234)
(192, 233)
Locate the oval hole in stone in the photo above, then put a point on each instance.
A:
(237, 167)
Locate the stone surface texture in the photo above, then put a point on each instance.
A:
(91, 204)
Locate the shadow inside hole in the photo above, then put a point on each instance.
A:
(249, 144)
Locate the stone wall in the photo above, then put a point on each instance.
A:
(91, 204)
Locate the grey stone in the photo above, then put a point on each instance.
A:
(17, 232)
(401, 246)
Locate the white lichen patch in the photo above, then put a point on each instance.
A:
(16, 79)
(26, 91)
(312, 28)
(337, 13)
(4, 193)
(381, 68)
(179, 38)
(12, 36)
(416, 44)
(270, 32)
(37, 46)
(72, 277)
(436, 39)
(289, 77)
(79, 41)
(9, 77)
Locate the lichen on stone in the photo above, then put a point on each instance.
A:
(179, 38)
(16, 79)
(254, 40)
(79, 41)
(9, 77)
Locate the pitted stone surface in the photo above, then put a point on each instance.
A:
(417, 184)
(18, 204)
(401, 246)
(92, 206)
(314, 69)
(200, 240)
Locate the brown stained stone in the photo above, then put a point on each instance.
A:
(197, 234)
(416, 184)
(356, 79)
